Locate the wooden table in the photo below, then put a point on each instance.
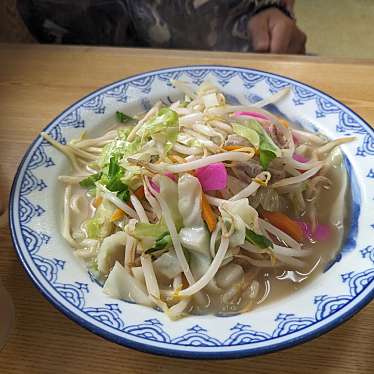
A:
(36, 83)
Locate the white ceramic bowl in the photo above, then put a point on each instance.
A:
(36, 203)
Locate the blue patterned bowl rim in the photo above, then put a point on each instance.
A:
(356, 305)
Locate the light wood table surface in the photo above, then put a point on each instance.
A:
(37, 83)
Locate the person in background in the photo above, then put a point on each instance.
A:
(227, 25)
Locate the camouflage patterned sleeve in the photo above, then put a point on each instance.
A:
(189, 24)
(90, 22)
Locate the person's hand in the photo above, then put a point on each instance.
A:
(272, 31)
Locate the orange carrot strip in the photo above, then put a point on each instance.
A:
(284, 223)
(97, 201)
(207, 213)
(283, 122)
(177, 159)
(117, 214)
(231, 147)
(240, 148)
(139, 193)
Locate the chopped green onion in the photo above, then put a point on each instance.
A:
(162, 242)
(124, 195)
(266, 157)
(123, 118)
(89, 182)
(114, 167)
(258, 240)
(115, 184)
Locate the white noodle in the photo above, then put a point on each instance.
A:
(219, 111)
(149, 276)
(81, 153)
(298, 179)
(176, 242)
(204, 141)
(94, 149)
(70, 179)
(306, 136)
(291, 252)
(139, 209)
(74, 202)
(66, 218)
(273, 98)
(120, 204)
(111, 196)
(215, 201)
(196, 135)
(191, 158)
(302, 165)
(176, 310)
(331, 145)
(190, 119)
(211, 272)
(185, 150)
(105, 139)
(252, 187)
(222, 126)
(206, 130)
(62, 148)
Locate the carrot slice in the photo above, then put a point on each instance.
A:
(232, 147)
(240, 148)
(283, 122)
(207, 213)
(284, 223)
(177, 159)
(117, 214)
(97, 201)
(139, 193)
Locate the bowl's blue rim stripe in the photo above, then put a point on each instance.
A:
(144, 346)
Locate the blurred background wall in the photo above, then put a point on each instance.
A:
(338, 28)
(343, 28)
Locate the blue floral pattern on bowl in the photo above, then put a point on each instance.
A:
(345, 287)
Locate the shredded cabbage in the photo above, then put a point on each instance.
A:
(247, 133)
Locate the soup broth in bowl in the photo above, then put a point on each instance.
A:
(200, 206)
